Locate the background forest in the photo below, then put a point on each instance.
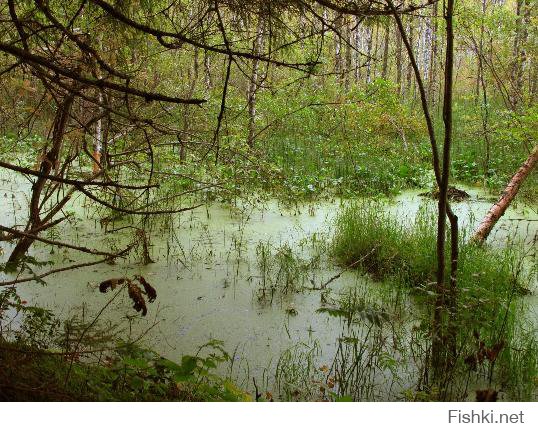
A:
(120, 120)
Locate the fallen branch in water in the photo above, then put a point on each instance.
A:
(346, 268)
(72, 267)
(509, 193)
(18, 233)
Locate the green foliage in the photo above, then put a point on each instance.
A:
(128, 372)
(367, 236)
(491, 158)
(38, 327)
(282, 271)
(490, 283)
(297, 377)
(324, 140)
(317, 134)
(135, 373)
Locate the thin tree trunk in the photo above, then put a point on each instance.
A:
(443, 340)
(447, 341)
(357, 45)
(399, 62)
(509, 193)
(409, 67)
(193, 79)
(481, 85)
(524, 55)
(349, 62)
(98, 139)
(50, 160)
(370, 37)
(520, 53)
(532, 63)
(207, 71)
(533, 81)
(480, 49)
(385, 52)
(253, 83)
(375, 42)
(433, 54)
(338, 47)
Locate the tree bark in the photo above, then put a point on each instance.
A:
(443, 336)
(399, 61)
(433, 55)
(509, 193)
(410, 32)
(338, 47)
(187, 112)
(98, 138)
(253, 83)
(385, 52)
(349, 60)
(358, 46)
(50, 160)
(443, 330)
(520, 53)
(370, 38)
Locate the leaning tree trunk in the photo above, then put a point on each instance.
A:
(498, 209)
(50, 160)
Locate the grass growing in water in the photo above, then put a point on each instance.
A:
(382, 245)
(490, 281)
(282, 270)
(386, 248)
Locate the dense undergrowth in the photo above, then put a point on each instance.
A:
(44, 359)
(130, 373)
(325, 142)
(370, 142)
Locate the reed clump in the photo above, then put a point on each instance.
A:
(496, 341)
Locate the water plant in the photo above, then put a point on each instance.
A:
(281, 269)
(489, 321)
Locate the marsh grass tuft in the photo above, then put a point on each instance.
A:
(282, 270)
(366, 233)
(491, 311)
(387, 248)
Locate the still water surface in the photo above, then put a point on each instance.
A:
(208, 278)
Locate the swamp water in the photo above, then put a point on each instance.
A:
(248, 275)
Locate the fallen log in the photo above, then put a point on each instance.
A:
(509, 193)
